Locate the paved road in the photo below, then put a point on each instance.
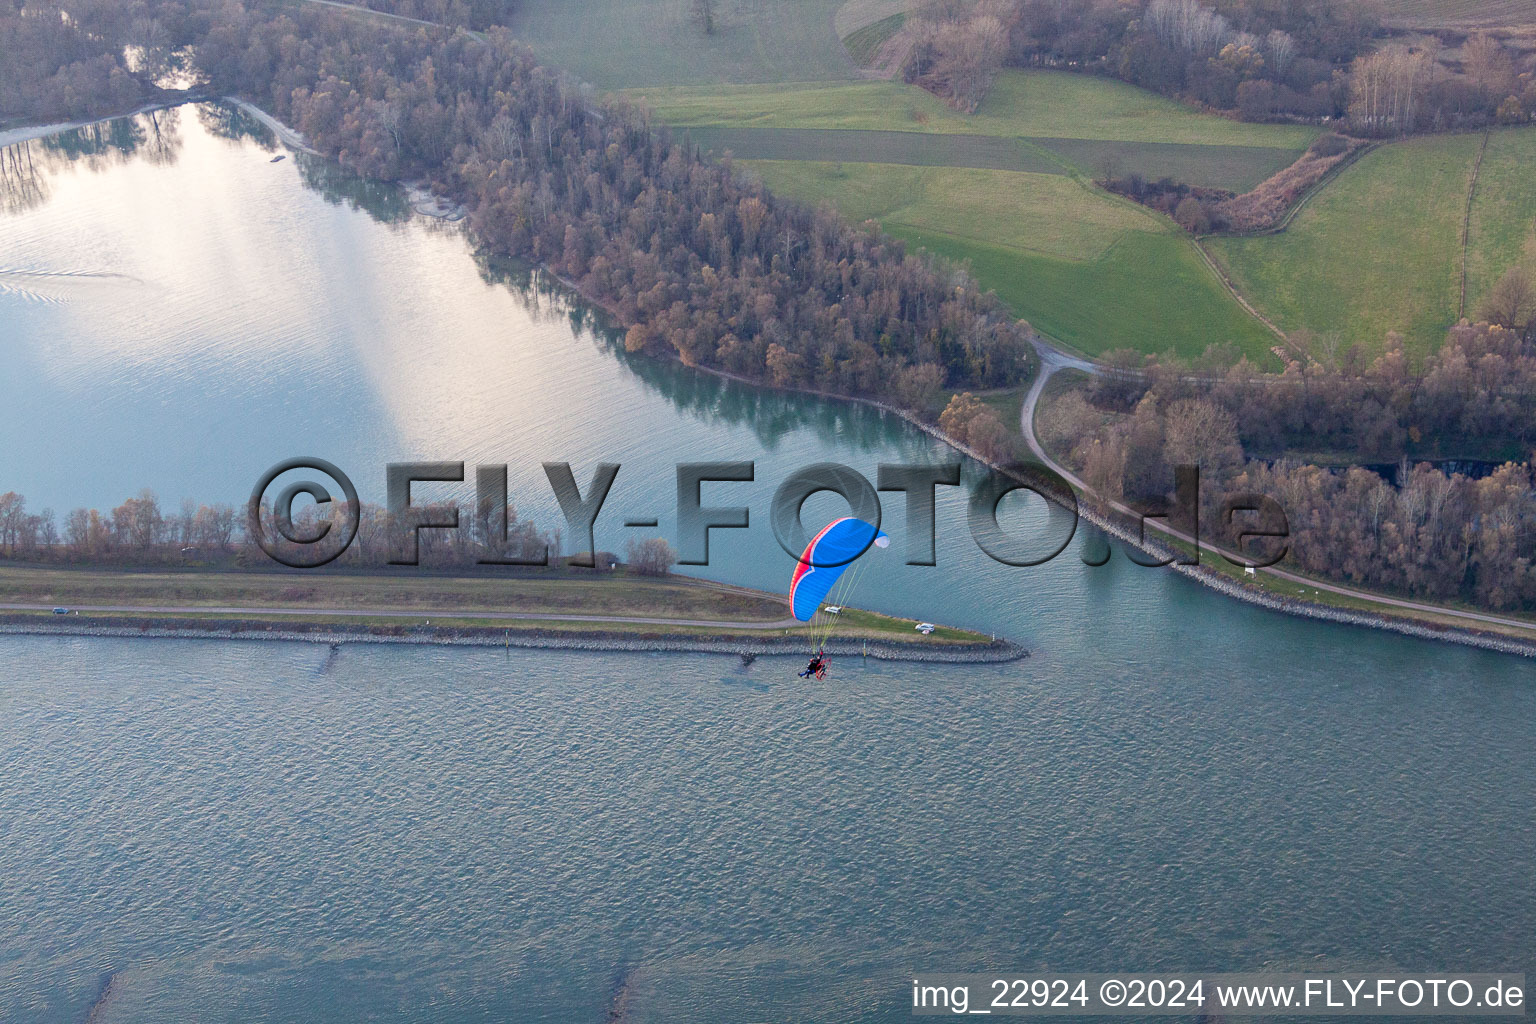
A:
(400, 18)
(395, 613)
(1052, 360)
(360, 9)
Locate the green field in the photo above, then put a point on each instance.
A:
(1503, 212)
(912, 148)
(1007, 189)
(617, 44)
(1379, 248)
(1093, 271)
(864, 44)
(1044, 104)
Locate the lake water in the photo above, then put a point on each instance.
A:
(262, 832)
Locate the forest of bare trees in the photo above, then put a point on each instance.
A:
(1453, 519)
(1310, 59)
(57, 67)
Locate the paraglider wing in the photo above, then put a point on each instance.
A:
(827, 556)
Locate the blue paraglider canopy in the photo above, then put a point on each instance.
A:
(826, 558)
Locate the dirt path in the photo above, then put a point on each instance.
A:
(1466, 223)
(395, 613)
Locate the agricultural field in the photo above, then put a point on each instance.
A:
(1092, 271)
(1008, 189)
(864, 44)
(1459, 13)
(617, 44)
(1092, 126)
(1028, 104)
(1379, 249)
(833, 145)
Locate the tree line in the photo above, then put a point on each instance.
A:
(1419, 529)
(140, 532)
(1259, 60)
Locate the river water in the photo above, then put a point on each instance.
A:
(268, 832)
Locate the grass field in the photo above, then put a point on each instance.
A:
(618, 44)
(911, 148)
(1503, 212)
(1030, 104)
(1435, 13)
(1379, 248)
(1091, 270)
(1007, 190)
(1238, 168)
(864, 44)
(445, 600)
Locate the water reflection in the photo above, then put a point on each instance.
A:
(182, 285)
(228, 121)
(28, 168)
(771, 414)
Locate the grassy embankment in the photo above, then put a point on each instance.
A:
(482, 601)
(1009, 189)
(1379, 248)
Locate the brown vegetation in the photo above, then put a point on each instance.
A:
(1422, 531)
(971, 422)
(1266, 205)
(1201, 210)
(54, 67)
(956, 47)
(650, 557)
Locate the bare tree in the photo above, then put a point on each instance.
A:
(702, 13)
(1512, 302)
(651, 557)
(1488, 64)
(1281, 50)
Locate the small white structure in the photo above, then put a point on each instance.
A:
(1249, 570)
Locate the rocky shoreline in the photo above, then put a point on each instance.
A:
(748, 647)
(1313, 609)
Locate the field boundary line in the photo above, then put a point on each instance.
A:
(1466, 222)
(1221, 275)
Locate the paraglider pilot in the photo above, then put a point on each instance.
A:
(817, 667)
